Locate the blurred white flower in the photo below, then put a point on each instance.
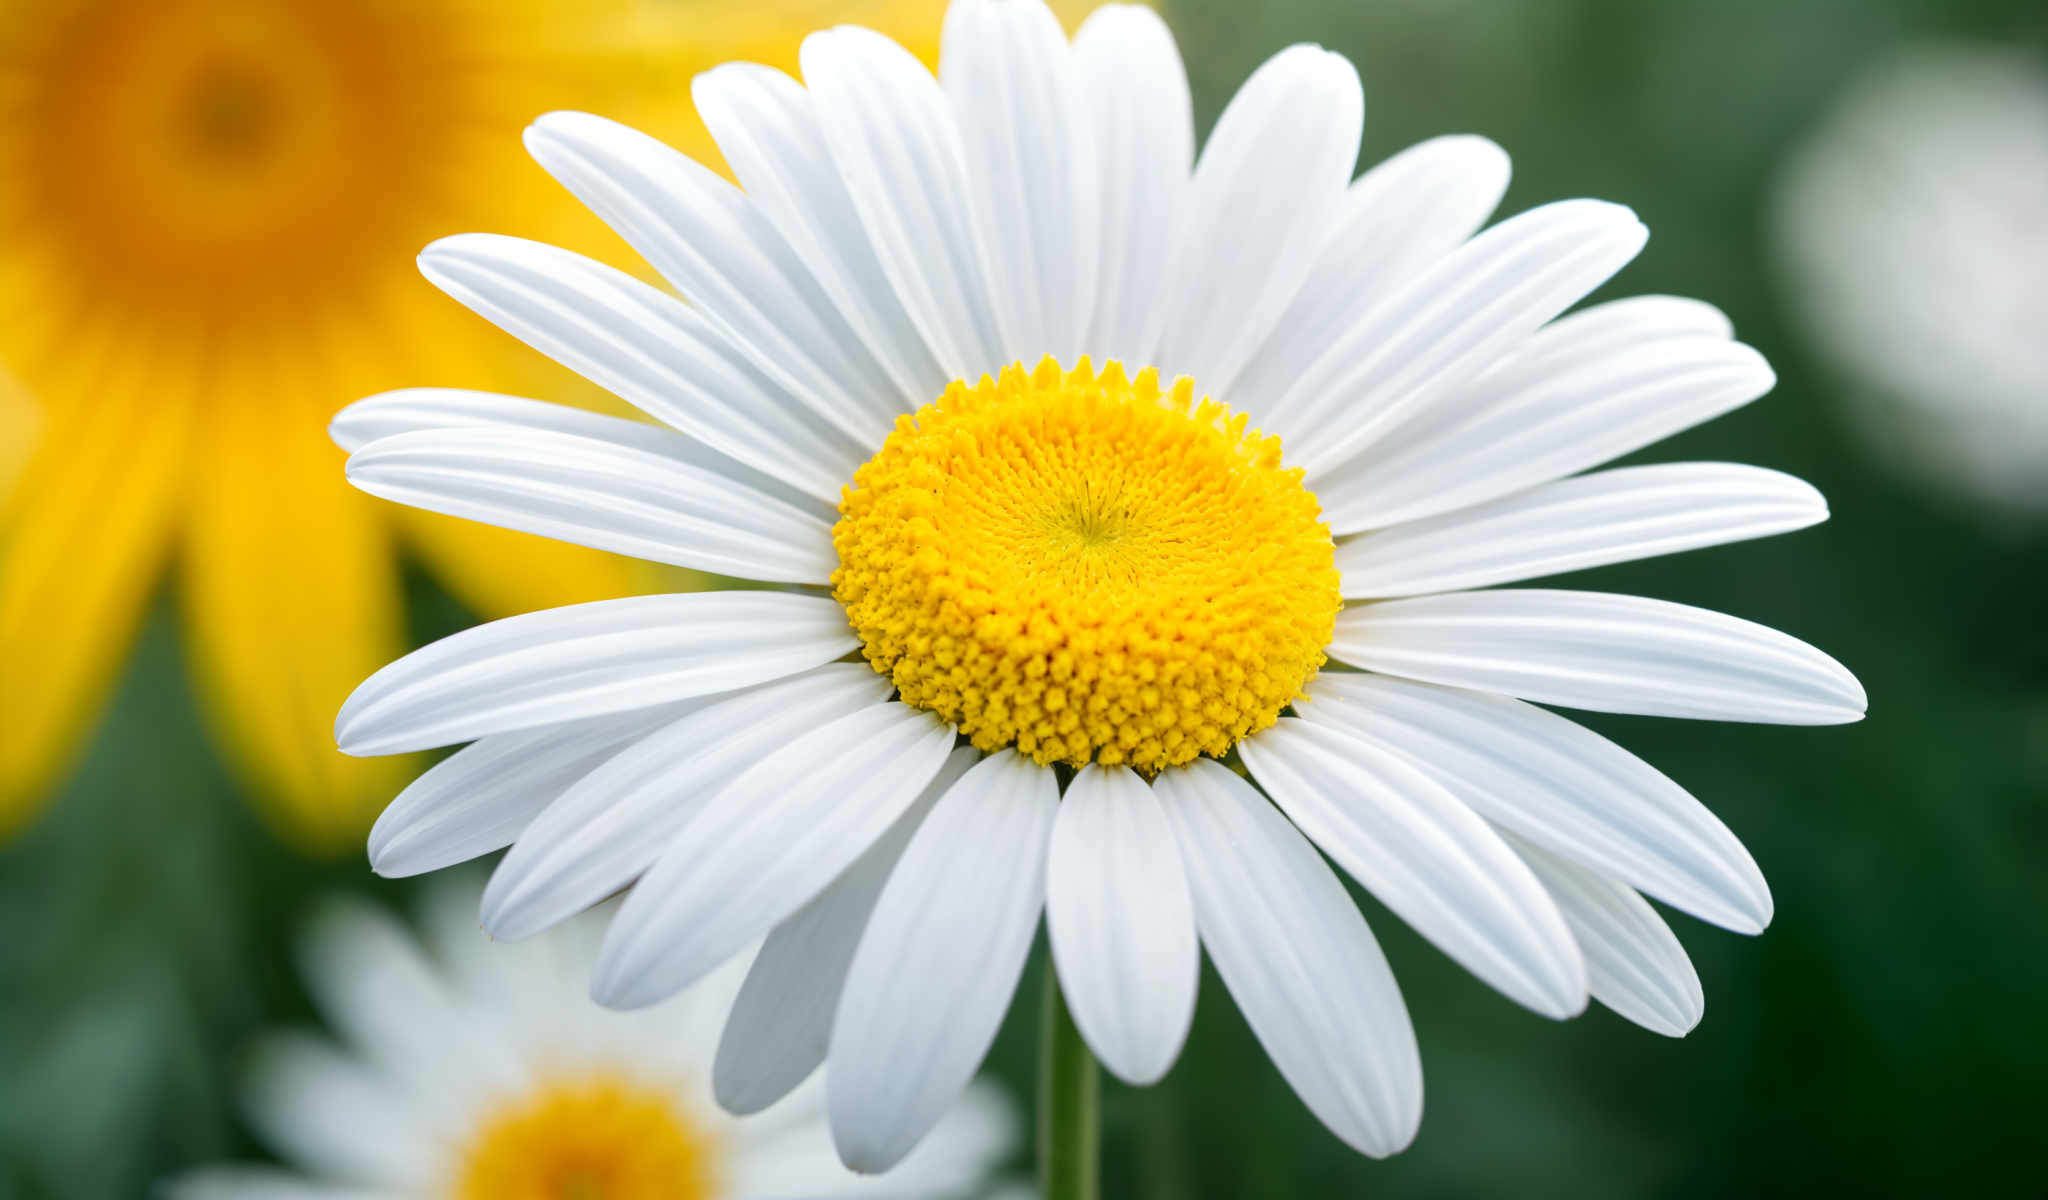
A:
(471, 1071)
(1914, 226)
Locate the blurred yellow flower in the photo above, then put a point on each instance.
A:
(208, 216)
(17, 431)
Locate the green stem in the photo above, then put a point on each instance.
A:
(1069, 1104)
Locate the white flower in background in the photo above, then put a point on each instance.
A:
(1914, 226)
(1087, 568)
(476, 1072)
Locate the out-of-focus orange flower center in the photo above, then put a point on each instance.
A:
(592, 1139)
(222, 158)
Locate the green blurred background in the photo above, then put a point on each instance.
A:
(1888, 1035)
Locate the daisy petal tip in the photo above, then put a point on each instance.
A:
(1123, 19)
(865, 1151)
(562, 124)
(1685, 1017)
(733, 1088)
(621, 991)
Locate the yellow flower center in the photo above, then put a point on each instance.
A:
(1087, 568)
(592, 1139)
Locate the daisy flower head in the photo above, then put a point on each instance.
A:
(471, 1072)
(1127, 508)
(207, 223)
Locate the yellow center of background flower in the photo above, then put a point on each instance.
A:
(1087, 568)
(240, 155)
(599, 1139)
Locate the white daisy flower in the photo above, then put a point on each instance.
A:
(476, 1072)
(1041, 608)
(1914, 225)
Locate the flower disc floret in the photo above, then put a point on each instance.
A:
(1087, 567)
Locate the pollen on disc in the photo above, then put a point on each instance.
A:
(1087, 567)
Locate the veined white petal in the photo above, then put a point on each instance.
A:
(781, 1022)
(939, 960)
(1529, 426)
(766, 843)
(602, 495)
(1031, 170)
(412, 410)
(652, 351)
(1397, 218)
(607, 828)
(1121, 923)
(1449, 322)
(584, 660)
(769, 132)
(1613, 516)
(1255, 216)
(1297, 957)
(707, 239)
(1602, 652)
(1635, 964)
(1594, 332)
(1426, 856)
(1557, 784)
(893, 136)
(332, 1116)
(409, 410)
(1136, 93)
(478, 799)
(1575, 340)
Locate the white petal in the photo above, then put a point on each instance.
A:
(708, 240)
(1574, 340)
(781, 1021)
(1558, 784)
(604, 831)
(1448, 323)
(940, 958)
(332, 1116)
(768, 130)
(1636, 965)
(1397, 218)
(584, 660)
(1297, 957)
(1262, 200)
(1031, 170)
(657, 354)
(1136, 92)
(761, 847)
(411, 410)
(602, 495)
(1529, 427)
(1121, 923)
(1609, 517)
(956, 1160)
(1594, 332)
(374, 986)
(1424, 855)
(1604, 653)
(897, 147)
(479, 798)
(408, 410)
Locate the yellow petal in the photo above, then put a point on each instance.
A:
(17, 432)
(292, 597)
(81, 543)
